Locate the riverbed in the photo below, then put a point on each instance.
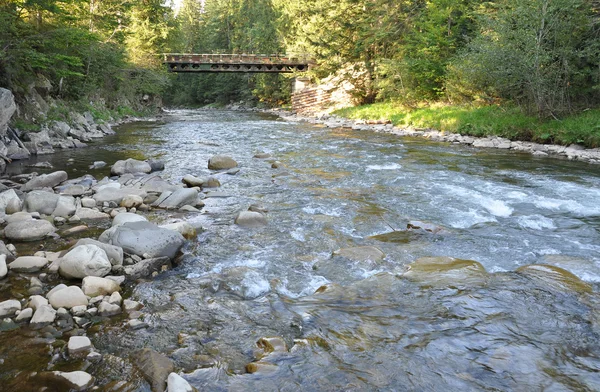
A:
(364, 323)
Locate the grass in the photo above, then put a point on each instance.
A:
(505, 121)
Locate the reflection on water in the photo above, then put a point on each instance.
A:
(444, 310)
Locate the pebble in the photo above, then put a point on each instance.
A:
(137, 324)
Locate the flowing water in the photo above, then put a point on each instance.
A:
(365, 323)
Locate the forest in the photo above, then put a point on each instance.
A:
(541, 57)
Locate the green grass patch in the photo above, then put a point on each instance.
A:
(505, 121)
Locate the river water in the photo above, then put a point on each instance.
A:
(353, 323)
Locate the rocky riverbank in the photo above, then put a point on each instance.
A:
(59, 279)
(573, 152)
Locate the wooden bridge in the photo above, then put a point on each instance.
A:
(256, 63)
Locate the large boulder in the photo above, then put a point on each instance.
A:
(45, 181)
(130, 166)
(93, 286)
(177, 199)
(67, 298)
(114, 253)
(7, 109)
(7, 198)
(28, 230)
(85, 260)
(144, 238)
(221, 162)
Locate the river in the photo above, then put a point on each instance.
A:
(357, 324)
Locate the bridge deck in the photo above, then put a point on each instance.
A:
(177, 62)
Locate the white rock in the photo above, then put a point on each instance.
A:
(28, 264)
(115, 299)
(105, 309)
(137, 324)
(186, 229)
(176, 383)
(25, 315)
(93, 286)
(131, 306)
(3, 268)
(85, 260)
(36, 301)
(43, 316)
(250, 219)
(55, 289)
(131, 201)
(88, 202)
(79, 345)
(78, 380)
(9, 308)
(68, 298)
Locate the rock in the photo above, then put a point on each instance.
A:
(244, 282)
(131, 306)
(177, 199)
(117, 195)
(43, 316)
(93, 286)
(221, 162)
(175, 383)
(74, 230)
(25, 315)
(91, 214)
(78, 311)
(130, 166)
(28, 264)
(13, 206)
(136, 324)
(141, 238)
(186, 229)
(94, 357)
(68, 298)
(233, 172)
(250, 219)
(115, 299)
(45, 181)
(74, 190)
(126, 217)
(192, 181)
(117, 279)
(78, 380)
(444, 271)
(155, 368)
(276, 165)
(189, 209)
(131, 201)
(106, 309)
(20, 216)
(55, 289)
(361, 253)
(156, 165)
(79, 345)
(3, 268)
(83, 261)
(6, 198)
(37, 301)
(147, 267)
(98, 165)
(555, 277)
(30, 230)
(7, 109)
(41, 201)
(9, 308)
(262, 155)
(114, 253)
(88, 202)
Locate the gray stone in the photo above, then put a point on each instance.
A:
(114, 253)
(141, 238)
(41, 201)
(132, 201)
(184, 228)
(127, 217)
(98, 165)
(74, 190)
(177, 199)
(7, 109)
(68, 298)
(244, 282)
(45, 181)
(93, 286)
(55, 289)
(20, 216)
(43, 316)
(176, 383)
(79, 345)
(221, 162)
(25, 315)
(8, 197)
(83, 261)
(9, 308)
(155, 368)
(146, 267)
(250, 219)
(28, 264)
(192, 181)
(131, 306)
(188, 208)
(13, 206)
(115, 299)
(361, 253)
(94, 357)
(156, 165)
(3, 268)
(88, 202)
(106, 309)
(31, 230)
(117, 195)
(136, 324)
(91, 214)
(130, 166)
(79, 311)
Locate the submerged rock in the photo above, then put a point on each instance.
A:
(446, 271)
(555, 277)
(177, 199)
(361, 253)
(78, 380)
(221, 162)
(155, 368)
